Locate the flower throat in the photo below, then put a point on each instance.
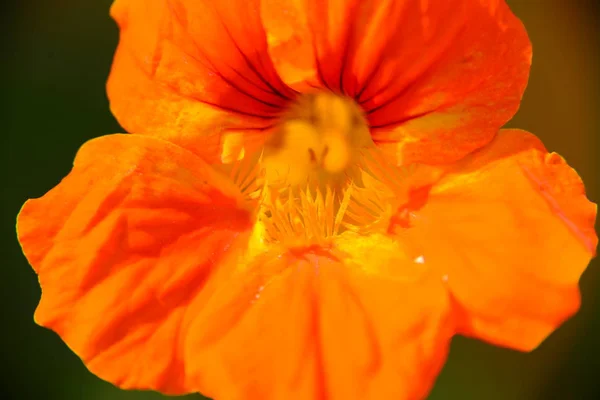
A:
(319, 140)
(315, 170)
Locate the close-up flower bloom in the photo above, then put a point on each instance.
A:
(313, 198)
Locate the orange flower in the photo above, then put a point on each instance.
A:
(319, 201)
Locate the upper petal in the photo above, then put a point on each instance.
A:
(356, 321)
(189, 70)
(511, 231)
(289, 40)
(436, 78)
(125, 247)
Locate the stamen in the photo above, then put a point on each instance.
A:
(302, 217)
(244, 170)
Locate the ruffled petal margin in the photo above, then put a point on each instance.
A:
(315, 323)
(126, 247)
(436, 78)
(510, 230)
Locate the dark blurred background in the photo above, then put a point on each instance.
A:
(56, 55)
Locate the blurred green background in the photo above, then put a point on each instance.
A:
(56, 55)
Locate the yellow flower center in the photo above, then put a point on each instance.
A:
(318, 172)
(319, 175)
(319, 139)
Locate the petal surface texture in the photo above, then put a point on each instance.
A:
(436, 78)
(189, 71)
(125, 247)
(317, 324)
(510, 230)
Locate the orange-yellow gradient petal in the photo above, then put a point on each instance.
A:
(510, 230)
(289, 40)
(190, 70)
(436, 78)
(355, 321)
(126, 246)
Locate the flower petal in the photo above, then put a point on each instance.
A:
(436, 78)
(289, 40)
(124, 247)
(511, 231)
(188, 71)
(358, 321)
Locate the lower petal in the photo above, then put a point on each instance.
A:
(324, 324)
(124, 247)
(511, 231)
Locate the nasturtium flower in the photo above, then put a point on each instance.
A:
(314, 198)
